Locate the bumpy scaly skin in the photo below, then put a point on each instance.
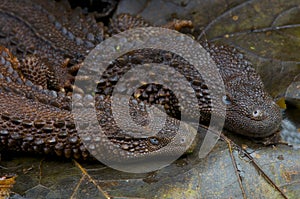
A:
(250, 110)
(50, 31)
(43, 122)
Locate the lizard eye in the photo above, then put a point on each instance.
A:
(154, 141)
(257, 113)
(226, 100)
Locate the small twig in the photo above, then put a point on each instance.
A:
(85, 173)
(235, 167)
(256, 165)
(77, 187)
(40, 170)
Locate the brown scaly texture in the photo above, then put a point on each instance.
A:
(47, 38)
(53, 32)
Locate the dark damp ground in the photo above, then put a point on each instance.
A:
(291, 127)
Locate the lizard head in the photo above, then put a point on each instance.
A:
(250, 110)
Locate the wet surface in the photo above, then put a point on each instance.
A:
(292, 95)
(291, 127)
